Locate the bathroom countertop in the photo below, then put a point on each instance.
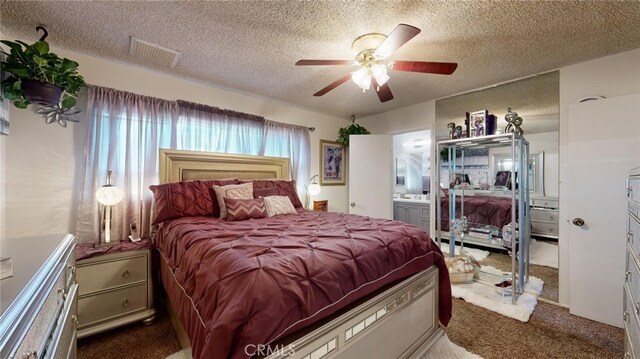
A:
(409, 200)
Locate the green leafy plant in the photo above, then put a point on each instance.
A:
(35, 62)
(354, 129)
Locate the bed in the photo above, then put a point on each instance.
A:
(480, 211)
(305, 285)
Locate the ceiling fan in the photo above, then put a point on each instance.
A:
(372, 50)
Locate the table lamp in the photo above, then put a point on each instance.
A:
(108, 195)
(313, 189)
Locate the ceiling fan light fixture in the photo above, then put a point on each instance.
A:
(362, 78)
(379, 71)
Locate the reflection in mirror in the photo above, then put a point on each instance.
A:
(401, 170)
(503, 162)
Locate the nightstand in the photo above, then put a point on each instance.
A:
(322, 206)
(114, 288)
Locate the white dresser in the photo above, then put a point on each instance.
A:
(631, 313)
(544, 217)
(39, 300)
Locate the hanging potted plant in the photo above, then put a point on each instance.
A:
(36, 75)
(354, 129)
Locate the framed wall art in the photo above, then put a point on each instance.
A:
(332, 163)
(477, 123)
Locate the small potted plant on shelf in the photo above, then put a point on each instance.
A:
(35, 75)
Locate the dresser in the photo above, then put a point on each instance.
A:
(544, 217)
(38, 295)
(114, 289)
(631, 312)
(413, 212)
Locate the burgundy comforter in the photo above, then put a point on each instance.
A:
(244, 283)
(495, 211)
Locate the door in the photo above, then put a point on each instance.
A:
(370, 173)
(604, 144)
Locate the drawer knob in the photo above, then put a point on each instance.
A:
(630, 237)
(125, 274)
(627, 275)
(551, 218)
(629, 191)
(30, 355)
(625, 316)
(74, 319)
(125, 303)
(638, 308)
(62, 293)
(72, 269)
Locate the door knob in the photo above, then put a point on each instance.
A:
(353, 204)
(578, 222)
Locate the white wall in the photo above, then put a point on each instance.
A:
(42, 160)
(609, 76)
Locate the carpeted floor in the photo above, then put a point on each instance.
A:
(551, 333)
(133, 341)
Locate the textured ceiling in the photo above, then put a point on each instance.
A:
(251, 47)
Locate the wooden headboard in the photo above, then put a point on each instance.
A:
(177, 165)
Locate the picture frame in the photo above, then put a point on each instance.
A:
(332, 163)
(477, 123)
(503, 179)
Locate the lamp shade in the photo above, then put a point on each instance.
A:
(109, 195)
(314, 189)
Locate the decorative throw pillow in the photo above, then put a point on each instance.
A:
(186, 199)
(242, 209)
(265, 192)
(234, 191)
(277, 205)
(285, 188)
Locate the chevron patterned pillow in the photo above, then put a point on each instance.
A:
(242, 209)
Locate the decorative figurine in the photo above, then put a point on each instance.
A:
(514, 122)
(452, 127)
(458, 132)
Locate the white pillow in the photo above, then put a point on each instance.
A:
(235, 191)
(277, 205)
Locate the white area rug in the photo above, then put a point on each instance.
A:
(183, 354)
(446, 349)
(483, 294)
(442, 349)
(543, 254)
(478, 254)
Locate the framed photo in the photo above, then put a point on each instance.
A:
(503, 179)
(477, 123)
(332, 163)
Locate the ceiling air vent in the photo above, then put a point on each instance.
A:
(153, 52)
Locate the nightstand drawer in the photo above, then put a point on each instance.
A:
(550, 229)
(545, 215)
(111, 273)
(544, 202)
(632, 276)
(111, 304)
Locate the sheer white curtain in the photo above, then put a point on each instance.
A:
(291, 141)
(211, 129)
(124, 134)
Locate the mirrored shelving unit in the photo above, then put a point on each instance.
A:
(459, 229)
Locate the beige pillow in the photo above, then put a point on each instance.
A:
(277, 205)
(234, 191)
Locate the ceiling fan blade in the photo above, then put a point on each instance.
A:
(325, 62)
(398, 37)
(442, 68)
(333, 85)
(384, 92)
